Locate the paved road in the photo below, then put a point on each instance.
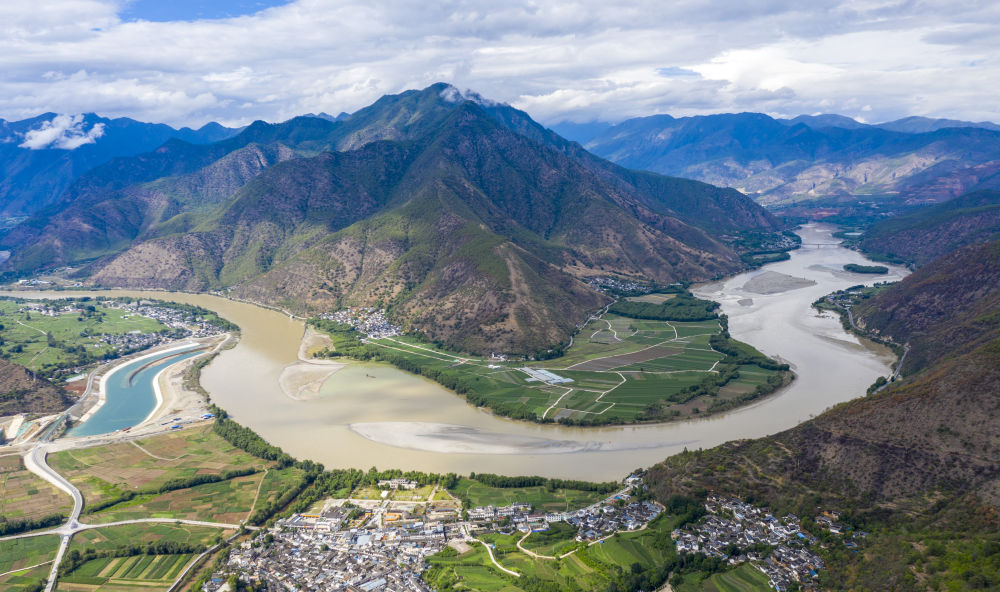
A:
(34, 461)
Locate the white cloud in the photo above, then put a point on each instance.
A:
(576, 59)
(64, 132)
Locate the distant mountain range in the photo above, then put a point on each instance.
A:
(464, 217)
(40, 157)
(781, 161)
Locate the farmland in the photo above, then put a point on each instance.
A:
(744, 578)
(107, 574)
(591, 567)
(617, 370)
(24, 496)
(105, 472)
(23, 553)
(117, 537)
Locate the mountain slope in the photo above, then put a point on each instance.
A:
(474, 233)
(949, 307)
(930, 232)
(780, 161)
(64, 148)
(20, 392)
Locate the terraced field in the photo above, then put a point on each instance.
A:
(618, 370)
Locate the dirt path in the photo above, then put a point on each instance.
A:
(148, 453)
(256, 495)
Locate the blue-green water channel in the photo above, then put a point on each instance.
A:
(129, 393)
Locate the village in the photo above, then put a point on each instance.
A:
(738, 532)
(382, 542)
(370, 321)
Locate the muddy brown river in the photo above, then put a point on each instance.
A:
(374, 415)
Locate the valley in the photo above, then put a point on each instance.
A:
(438, 284)
(389, 417)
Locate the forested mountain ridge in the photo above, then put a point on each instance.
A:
(141, 194)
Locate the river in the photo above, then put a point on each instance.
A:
(411, 423)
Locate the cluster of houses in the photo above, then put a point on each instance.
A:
(369, 560)
(370, 321)
(737, 532)
(186, 323)
(605, 283)
(399, 483)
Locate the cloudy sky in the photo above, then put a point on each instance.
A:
(192, 61)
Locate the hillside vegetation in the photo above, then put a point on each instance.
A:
(468, 221)
(931, 232)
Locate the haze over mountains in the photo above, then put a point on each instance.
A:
(465, 217)
(777, 161)
(41, 156)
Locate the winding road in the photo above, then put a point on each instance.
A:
(34, 461)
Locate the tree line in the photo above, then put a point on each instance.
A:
(684, 306)
(506, 482)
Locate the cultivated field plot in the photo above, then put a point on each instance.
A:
(116, 537)
(104, 472)
(617, 370)
(23, 495)
(590, 567)
(22, 554)
(139, 572)
(223, 501)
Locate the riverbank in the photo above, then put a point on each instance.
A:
(304, 378)
(831, 365)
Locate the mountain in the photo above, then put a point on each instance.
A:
(914, 464)
(466, 218)
(779, 162)
(919, 125)
(824, 120)
(930, 232)
(951, 306)
(20, 392)
(40, 157)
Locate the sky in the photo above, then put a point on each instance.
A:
(188, 62)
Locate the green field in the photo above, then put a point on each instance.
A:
(104, 472)
(118, 574)
(559, 539)
(622, 370)
(19, 554)
(745, 578)
(539, 497)
(72, 337)
(115, 537)
(591, 567)
(224, 501)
